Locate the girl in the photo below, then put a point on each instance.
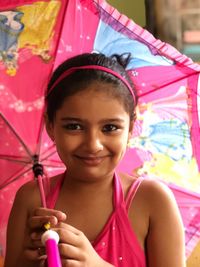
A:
(103, 219)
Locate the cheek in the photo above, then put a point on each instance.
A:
(121, 144)
(67, 144)
(65, 149)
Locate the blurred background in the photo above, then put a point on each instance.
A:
(134, 9)
(173, 21)
(176, 22)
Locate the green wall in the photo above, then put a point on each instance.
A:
(134, 9)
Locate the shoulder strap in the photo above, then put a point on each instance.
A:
(118, 192)
(132, 191)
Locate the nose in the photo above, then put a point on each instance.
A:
(94, 142)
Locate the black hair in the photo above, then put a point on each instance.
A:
(81, 79)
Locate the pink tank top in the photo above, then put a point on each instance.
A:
(117, 242)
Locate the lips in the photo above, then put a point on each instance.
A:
(91, 161)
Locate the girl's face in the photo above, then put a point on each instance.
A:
(91, 131)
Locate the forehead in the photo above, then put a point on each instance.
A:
(95, 100)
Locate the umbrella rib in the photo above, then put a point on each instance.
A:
(16, 178)
(40, 135)
(47, 156)
(55, 166)
(17, 135)
(166, 84)
(13, 159)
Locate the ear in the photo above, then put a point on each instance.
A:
(49, 127)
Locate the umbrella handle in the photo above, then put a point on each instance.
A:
(38, 173)
(42, 193)
(50, 239)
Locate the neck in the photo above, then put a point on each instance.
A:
(82, 184)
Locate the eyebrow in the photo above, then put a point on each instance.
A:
(116, 120)
(70, 119)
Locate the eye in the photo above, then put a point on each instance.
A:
(110, 128)
(73, 127)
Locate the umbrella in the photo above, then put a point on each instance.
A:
(166, 134)
(29, 32)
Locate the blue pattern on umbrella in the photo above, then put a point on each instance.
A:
(109, 41)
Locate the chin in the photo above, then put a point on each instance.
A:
(91, 174)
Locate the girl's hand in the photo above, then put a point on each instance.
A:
(75, 249)
(34, 249)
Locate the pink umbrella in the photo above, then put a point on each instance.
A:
(27, 51)
(166, 134)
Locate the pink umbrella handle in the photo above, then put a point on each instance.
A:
(50, 239)
(42, 192)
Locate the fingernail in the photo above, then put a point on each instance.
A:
(64, 216)
(54, 221)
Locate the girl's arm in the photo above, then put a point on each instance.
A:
(165, 239)
(17, 231)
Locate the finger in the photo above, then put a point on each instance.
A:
(35, 236)
(39, 221)
(68, 227)
(69, 252)
(34, 254)
(36, 243)
(67, 237)
(70, 235)
(71, 263)
(61, 216)
(36, 224)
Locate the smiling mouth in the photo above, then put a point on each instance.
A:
(92, 161)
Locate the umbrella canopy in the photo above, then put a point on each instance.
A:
(36, 36)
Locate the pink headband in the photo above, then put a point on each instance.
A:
(92, 67)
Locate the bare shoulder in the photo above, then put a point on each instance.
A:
(158, 197)
(156, 189)
(164, 228)
(25, 189)
(152, 193)
(29, 193)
